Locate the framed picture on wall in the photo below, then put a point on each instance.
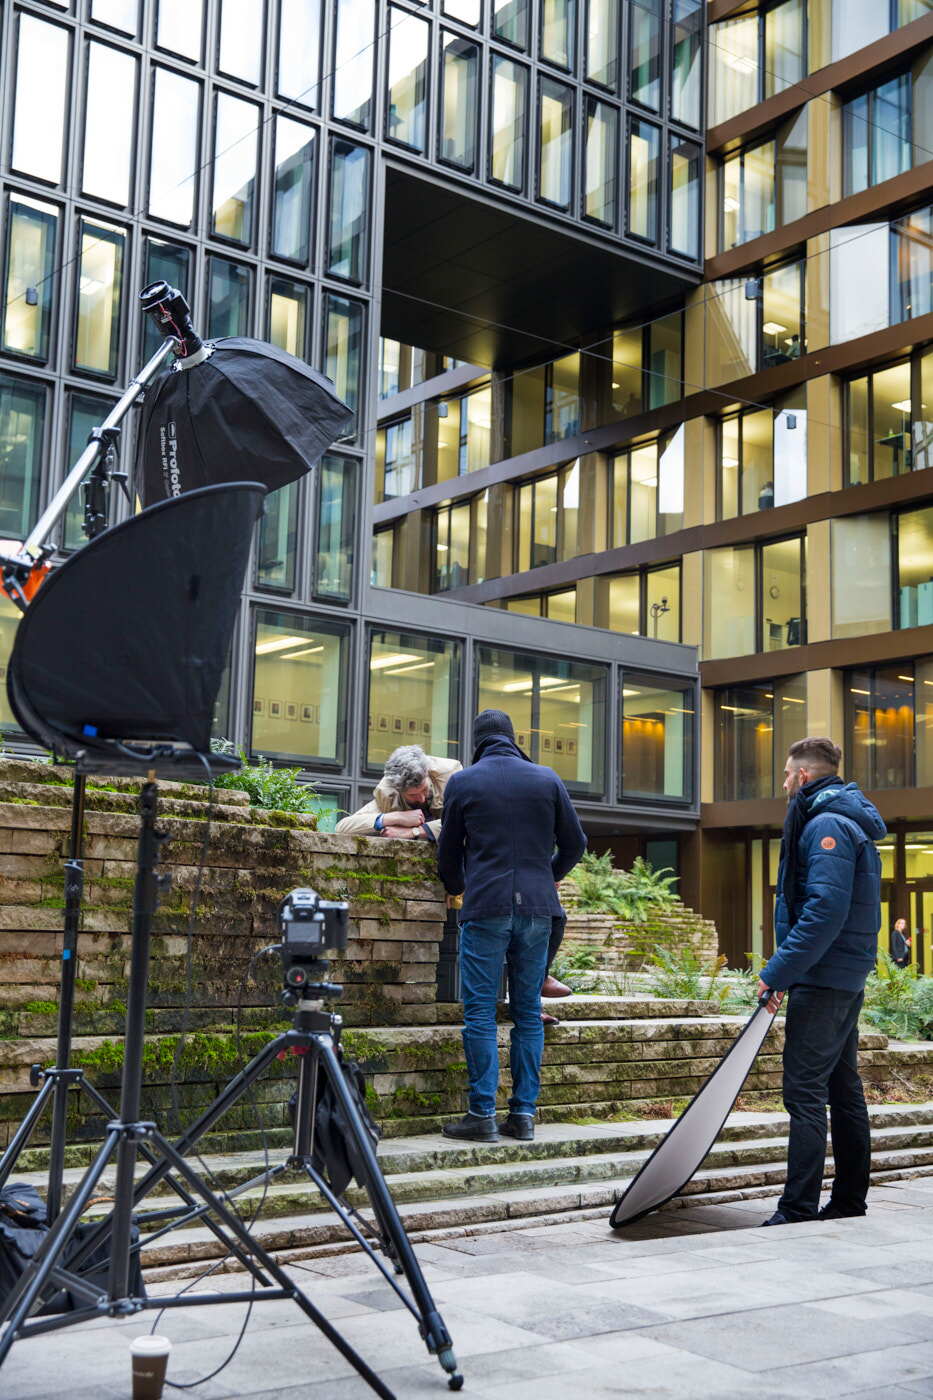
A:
(571, 745)
(413, 726)
(382, 722)
(521, 739)
(397, 724)
(426, 727)
(275, 709)
(307, 714)
(259, 706)
(291, 709)
(546, 743)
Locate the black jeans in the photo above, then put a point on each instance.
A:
(820, 1068)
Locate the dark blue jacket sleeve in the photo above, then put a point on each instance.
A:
(451, 840)
(830, 875)
(569, 834)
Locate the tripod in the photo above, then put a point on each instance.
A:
(316, 1033)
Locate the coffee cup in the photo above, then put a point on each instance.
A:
(150, 1359)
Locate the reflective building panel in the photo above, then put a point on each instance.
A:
(354, 61)
(293, 190)
(236, 152)
(299, 51)
(173, 160)
(180, 27)
(109, 124)
(299, 687)
(29, 281)
(100, 287)
(407, 98)
(40, 127)
(414, 695)
(508, 123)
(22, 443)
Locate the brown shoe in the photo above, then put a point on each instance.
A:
(553, 988)
(547, 1020)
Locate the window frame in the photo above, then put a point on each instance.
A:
(335, 626)
(457, 689)
(687, 686)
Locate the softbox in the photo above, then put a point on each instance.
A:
(247, 411)
(679, 1154)
(128, 640)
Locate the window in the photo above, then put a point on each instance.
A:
(180, 27)
(299, 687)
(347, 252)
(562, 606)
(292, 190)
(645, 603)
(764, 186)
(100, 284)
(785, 46)
(647, 490)
(644, 151)
(396, 464)
(555, 158)
(278, 538)
(888, 717)
(407, 99)
(647, 366)
(507, 122)
(861, 575)
(464, 425)
(40, 120)
(32, 234)
(912, 265)
(353, 61)
(236, 149)
(414, 695)
(754, 598)
(84, 413)
(738, 78)
(746, 463)
(230, 295)
(657, 740)
(170, 263)
(510, 21)
(288, 315)
(22, 443)
(241, 39)
(645, 53)
(548, 518)
(460, 543)
(459, 101)
(876, 134)
(109, 123)
(880, 431)
(685, 198)
(914, 584)
(781, 315)
(558, 31)
(755, 727)
(602, 42)
(176, 107)
(299, 54)
(600, 162)
(562, 405)
(383, 557)
(337, 493)
(9, 621)
(343, 349)
(558, 709)
(117, 14)
(466, 11)
(687, 64)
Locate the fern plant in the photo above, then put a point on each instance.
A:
(276, 789)
(630, 894)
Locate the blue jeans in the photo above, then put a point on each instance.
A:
(521, 941)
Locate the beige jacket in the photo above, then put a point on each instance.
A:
(386, 799)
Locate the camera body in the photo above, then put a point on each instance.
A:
(309, 927)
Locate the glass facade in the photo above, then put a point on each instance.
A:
(657, 741)
(299, 687)
(414, 689)
(755, 727)
(764, 186)
(754, 598)
(889, 712)
(888, 421)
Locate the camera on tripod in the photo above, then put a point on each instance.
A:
(310, 927)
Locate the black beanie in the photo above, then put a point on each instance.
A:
(490, 722)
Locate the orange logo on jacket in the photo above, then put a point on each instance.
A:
(828, 843)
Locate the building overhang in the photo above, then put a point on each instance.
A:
(481, 280)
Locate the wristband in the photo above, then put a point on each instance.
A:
(378, 823)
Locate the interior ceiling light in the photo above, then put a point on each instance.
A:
(305, 651)
(406, 670)
(773, 328)
(279, 644)
(903, 406)
(395, 658)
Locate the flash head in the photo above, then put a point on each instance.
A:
(171, 314)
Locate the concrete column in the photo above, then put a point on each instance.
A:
(825, 704)
(691, 604)
(819, 592)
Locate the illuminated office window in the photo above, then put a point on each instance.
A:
(555, 159)
(644, 159)
(882, 421)
(382, 559)
(109, 123)
(685, 198)
(755, 727)
(509, 100)
(180, 27)
(176, 107)
(746, 463)
(353, 61)
(406, 103)
(558, 31)
(278, 537)
(293, 189)
(459, 101)
(601, 159)
(241, 39)
(343, 348)
(785, 27)
(22, 442)
(337, 491)
(396, 461)
(117, 14)
(40, 123)
(451, 547)
(349, 207)
(9, 621)
(602, 42)
(657, 740)
(100, 284)
(414, 695)
(288, 315)
(230, 297)
(236, 150)
(881, 734)
(299, 699)
(85, 412)
(32, 232)
(299, 52)
(562, 403)
(165, 262)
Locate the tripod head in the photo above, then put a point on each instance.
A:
(309, 926)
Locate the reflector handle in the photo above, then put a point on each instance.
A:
(766, 996)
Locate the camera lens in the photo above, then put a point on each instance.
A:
(296, 977)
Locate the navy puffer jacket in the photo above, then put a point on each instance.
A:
(834, 940)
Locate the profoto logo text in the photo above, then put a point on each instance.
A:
(168, 449)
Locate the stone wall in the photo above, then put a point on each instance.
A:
(618, 942)
(253, 857)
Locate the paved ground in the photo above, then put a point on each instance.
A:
(689, 1304)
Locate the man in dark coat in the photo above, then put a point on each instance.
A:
(509, 833)
(827, 915)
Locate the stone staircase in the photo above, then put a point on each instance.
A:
(615, 941)
(616, 1071)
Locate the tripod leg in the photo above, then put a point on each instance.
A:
(236, 1227)
(433, 1330)
(37, 1272)
(74, 893)
(24, 1132)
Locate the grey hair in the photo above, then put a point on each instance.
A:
(406, 767)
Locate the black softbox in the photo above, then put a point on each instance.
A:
(128, 640)
(247, 412)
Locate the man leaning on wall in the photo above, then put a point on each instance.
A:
(408, 799)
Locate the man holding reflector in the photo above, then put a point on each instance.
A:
(827, 915)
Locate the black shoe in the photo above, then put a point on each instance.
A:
(777, 1219)
(519, 1125)
(832, 1212)
(472, 1128)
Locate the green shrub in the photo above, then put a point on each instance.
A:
(573, 966)
(899, 1002)
(630, 894)
(683, 975)
(278, 789)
